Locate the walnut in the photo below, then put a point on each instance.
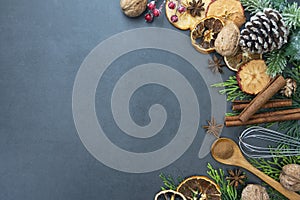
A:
(133, 8)
(290, 177)
(254, 192)
(227, 42)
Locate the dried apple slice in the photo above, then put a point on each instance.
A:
(185, 19)
(252, 77)
(204, 34)
(228, 10)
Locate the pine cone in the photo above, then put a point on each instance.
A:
(265, 32)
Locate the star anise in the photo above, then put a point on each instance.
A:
(216, 64)
(213, 128)
(236, 177)
(195, 7)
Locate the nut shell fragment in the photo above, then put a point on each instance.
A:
(133, 8)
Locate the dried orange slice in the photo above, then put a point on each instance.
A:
(204, 34)
(199, 187)
(241, 57)
(231, 10)
(252, 77)
(169, 195)
(185, 19)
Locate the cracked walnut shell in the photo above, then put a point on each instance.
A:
(290, 177)
(133, 8)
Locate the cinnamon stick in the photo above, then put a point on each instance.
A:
(266, 114)
(271, 89)
(275, 118)
(275, 103)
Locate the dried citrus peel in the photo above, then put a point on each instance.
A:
(169, 195)
(241, 57)
(199, 186)
(205, 32)
(228, 10)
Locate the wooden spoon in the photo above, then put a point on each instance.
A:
(226, 151)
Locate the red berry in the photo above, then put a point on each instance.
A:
(174, 18)
(156, 12)
(149, 17)
(151, 5)
(171, 5)
(181, 9)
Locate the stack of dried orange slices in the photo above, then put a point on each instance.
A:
(214, 26)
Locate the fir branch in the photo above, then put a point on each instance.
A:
(254, 6)
(276, 62)
(292, 50)
(292, 128)
(169, 182)
(291, 15)
(279, 5)
(228, 192)
(232, 89)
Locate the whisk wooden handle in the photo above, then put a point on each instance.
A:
(273, 183)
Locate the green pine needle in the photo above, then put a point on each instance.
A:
(292, 51)
(274, 194)
(276, 62)
(291, 15)
(232, 89)
(272, 167)
(254, 6)
(228, 192)
(279, 4)
(169, 182)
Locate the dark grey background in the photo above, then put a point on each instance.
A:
(42, 45)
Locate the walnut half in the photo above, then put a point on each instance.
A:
(290, 177)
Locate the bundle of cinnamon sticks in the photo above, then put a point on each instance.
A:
(249, 109)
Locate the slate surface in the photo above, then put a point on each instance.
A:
(43, 44)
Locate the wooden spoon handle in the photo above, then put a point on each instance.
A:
(273, 183)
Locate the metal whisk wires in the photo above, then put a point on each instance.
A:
(256, 142)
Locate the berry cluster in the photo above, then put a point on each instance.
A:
(153, 11)
(180, 8)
